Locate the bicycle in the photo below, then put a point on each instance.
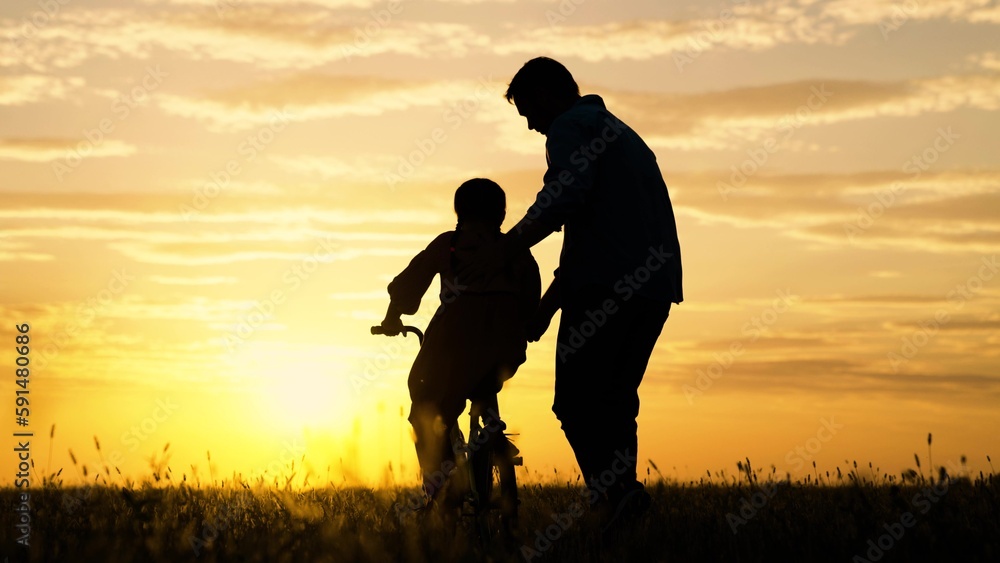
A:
(488, 458)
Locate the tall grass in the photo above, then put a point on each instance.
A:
(754, 514)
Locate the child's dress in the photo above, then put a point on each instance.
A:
(476, 339)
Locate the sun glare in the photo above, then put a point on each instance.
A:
(296, 389)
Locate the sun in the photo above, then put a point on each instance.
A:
(304, 394)
(298, 388)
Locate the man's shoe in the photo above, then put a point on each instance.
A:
(626, 508)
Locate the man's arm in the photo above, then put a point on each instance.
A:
(525, 234)
(568, 181)
(490, 259)
(547, 308)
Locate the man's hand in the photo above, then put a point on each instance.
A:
(547, 308)
(490, 260)
(538, 325)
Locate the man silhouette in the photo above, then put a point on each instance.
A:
(619, 272)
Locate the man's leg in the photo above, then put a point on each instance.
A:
(644, 322)
(598, 371)
(577, 376)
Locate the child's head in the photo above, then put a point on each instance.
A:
(481, 200)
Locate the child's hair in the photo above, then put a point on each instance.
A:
(477, 199)
(480, 199)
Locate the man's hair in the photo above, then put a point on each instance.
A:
(540, 74)
(480, 199)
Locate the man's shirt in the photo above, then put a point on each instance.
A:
(604, 188)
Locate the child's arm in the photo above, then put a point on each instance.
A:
(408, 288)
(547, 308)
(391, 324)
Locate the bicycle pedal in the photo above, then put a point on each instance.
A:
(517, 460)
(509, 447)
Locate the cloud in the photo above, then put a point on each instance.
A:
(837, 376)
(265, 35)
(311, 96)
(24, 89)
(951, 211)
(986, 15)
(727, 118)
(383, 171)
(357, 295)
(738, 25)
(965, 223)
(239, 229)
(784, 343)
(203, 280)
(963, 323)
(63, 210)
(809, 360)
(140, 307)
(214, 254)
(192, 248)
(25, 256)
(778, 370)
(47, 150)
(878, 300)
(303, 35)
(945, 211)
(896, 12)
(989, 60)
(222, 7)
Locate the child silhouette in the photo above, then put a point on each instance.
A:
(476, 339)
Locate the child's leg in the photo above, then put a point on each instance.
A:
(434, 452)
(484, 397)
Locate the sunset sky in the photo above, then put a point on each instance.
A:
(203, 202)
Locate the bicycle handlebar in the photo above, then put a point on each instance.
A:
(378, 330)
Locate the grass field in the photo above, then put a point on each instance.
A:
(743, 517)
